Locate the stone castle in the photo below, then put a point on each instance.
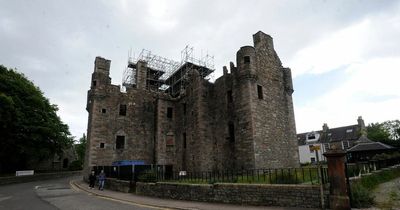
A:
(244, 120)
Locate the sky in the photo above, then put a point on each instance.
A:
(344, 54)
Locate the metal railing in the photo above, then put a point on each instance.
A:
(359, 168)
(309, 175)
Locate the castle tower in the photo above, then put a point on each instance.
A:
(99, 83)
(264, 108)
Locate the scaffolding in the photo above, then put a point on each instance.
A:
(164, 74)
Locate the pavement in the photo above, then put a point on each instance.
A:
(158, 203)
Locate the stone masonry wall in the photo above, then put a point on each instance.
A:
(303, 196)
(197, 137)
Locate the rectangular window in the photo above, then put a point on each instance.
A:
(101, 145)
(184, 109)
(169, 112)
(260, 92)
(184, 140)
(122, 109)
(231, 128)
(246, 59)
(326, 146)
(103, 111)
(120, 142)
(312, 160)
(229, 96)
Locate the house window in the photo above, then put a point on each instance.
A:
(103, 111)
(120, 142)
(122, 109)
(311, 136)
(231, 129)
(229, 96)
(313, 160)
(326, 147)
(184, 140)
(246, 59)
(94, 83)
(349, 130)
(169, 112)
(260, 92)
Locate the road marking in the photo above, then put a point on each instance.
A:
(5, 198)
(78, 188)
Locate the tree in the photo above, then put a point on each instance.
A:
(387, 132)
(80, 149)
(30, 129)
(376, 132)
(393, 128)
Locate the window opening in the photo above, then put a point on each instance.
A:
(122, 109)
(120, 142)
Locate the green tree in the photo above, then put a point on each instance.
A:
(387, 132)
(393, 128)
(80, 149)
(376, 132)
(30, 129)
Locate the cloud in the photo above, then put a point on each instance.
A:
(370, 89)
(55, 43)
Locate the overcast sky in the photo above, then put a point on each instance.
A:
(344, 55)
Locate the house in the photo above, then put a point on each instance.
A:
(312, 145)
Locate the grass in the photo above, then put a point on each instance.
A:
(298, 176)
(361, 190)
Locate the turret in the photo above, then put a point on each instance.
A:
(246, 60)
(101, 74)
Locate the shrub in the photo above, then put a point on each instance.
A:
(75, 165)
(147, 176)
(361, 196)
(361, 189)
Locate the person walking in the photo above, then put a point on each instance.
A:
(92, 180)
(102, 179)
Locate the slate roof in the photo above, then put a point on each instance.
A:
(369, 146)
(333, 135)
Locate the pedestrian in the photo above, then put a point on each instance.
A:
(92, 180)
(102, 179)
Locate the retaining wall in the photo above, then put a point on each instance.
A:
(306, 196)
(37, 177)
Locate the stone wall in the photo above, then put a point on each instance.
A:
(117, 185)
(305, 196)
(37, 177)
(206, 131)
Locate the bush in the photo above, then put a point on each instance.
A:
(360, 196)
(147, 176)
(361, 189)
(75, 166)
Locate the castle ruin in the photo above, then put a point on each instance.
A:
(243, 120)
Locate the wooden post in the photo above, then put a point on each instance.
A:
(339, 197)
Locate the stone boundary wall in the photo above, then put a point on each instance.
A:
(37, 177)
(118, 185)
(305, 196)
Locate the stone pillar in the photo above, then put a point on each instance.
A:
(338, 198)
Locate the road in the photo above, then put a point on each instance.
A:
(54, 194)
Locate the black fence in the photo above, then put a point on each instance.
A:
(157, 173)
(132, 172)
(365, 167)
(309, 175)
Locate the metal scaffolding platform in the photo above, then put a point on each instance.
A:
(164, 74)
